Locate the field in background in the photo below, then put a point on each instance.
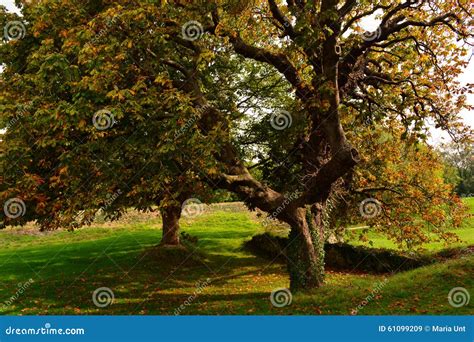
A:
(465, 233)
(217, 277)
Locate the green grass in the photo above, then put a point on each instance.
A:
(465, 234)
(68, 266)
(470, 203)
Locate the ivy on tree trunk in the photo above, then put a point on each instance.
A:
(305, 250)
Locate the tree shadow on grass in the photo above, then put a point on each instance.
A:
(66, 283)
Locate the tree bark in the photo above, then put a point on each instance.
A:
(170, 216)
(305, 250)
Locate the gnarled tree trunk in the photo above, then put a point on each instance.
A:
(305, 250)
(170, 216)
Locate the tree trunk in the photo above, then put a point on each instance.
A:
(305, 250)
(170, 216)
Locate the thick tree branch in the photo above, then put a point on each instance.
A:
(282, 19)
(319, 186)
(386, 29)
(279, 61)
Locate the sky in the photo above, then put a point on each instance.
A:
(370, 25)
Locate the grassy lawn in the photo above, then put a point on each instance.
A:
(465, 233)
(67, 267)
